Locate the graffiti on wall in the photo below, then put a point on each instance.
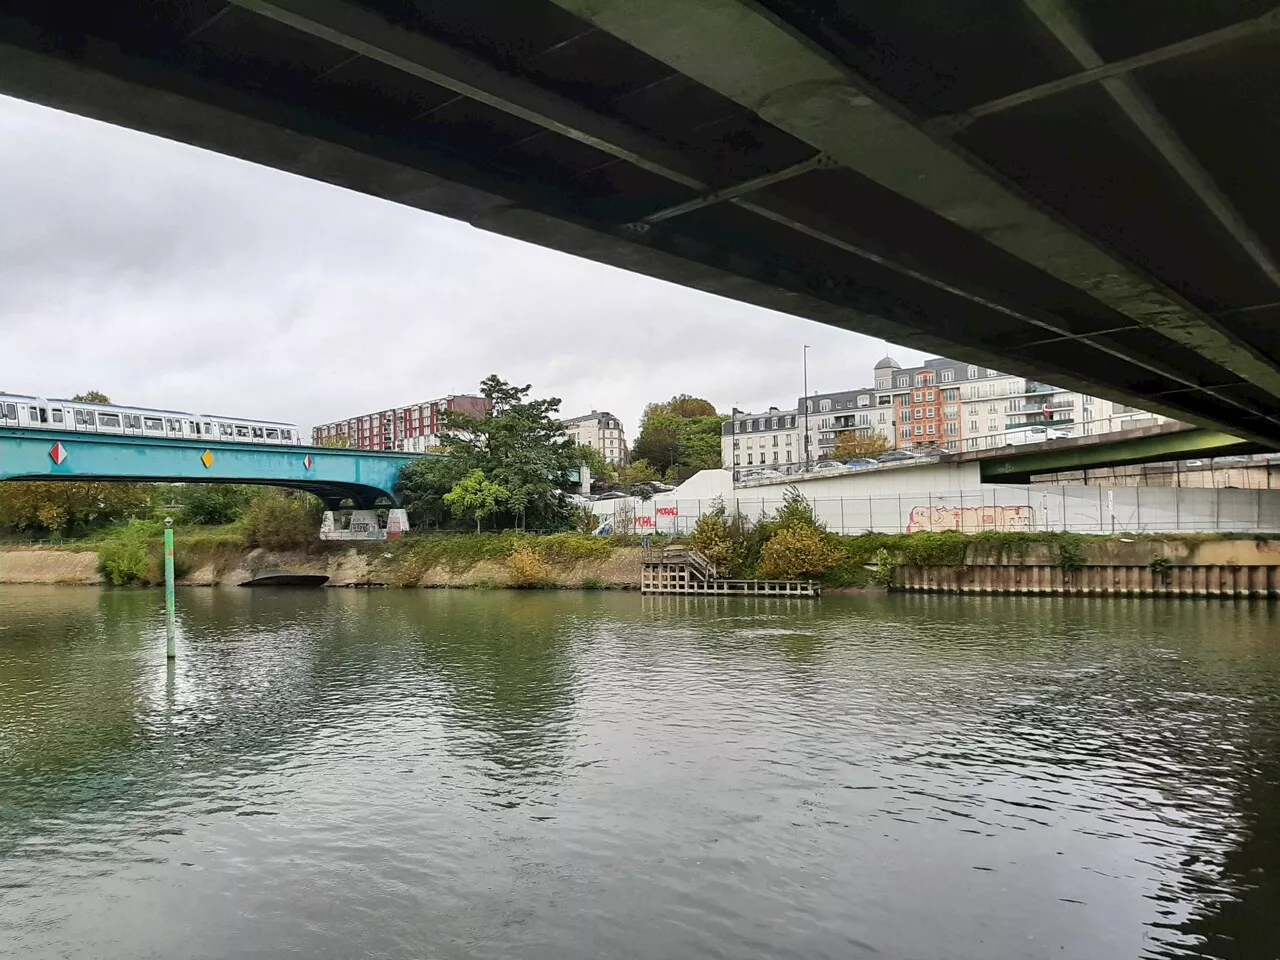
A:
(972, 519)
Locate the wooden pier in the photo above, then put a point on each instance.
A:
(683, 571)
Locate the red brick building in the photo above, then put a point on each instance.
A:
(415, 428)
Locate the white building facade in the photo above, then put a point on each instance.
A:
(756, 441)
(601, 431)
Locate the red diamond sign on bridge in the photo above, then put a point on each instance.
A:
(58, 453)
(307, 462)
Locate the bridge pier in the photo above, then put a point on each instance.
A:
(365, 525)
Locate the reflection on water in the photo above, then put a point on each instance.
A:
(477, 774)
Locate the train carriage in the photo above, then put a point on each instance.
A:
(77, 416)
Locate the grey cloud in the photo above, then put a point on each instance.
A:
(169, 276)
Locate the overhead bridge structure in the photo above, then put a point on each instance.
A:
(361, 477)
(1083, 193)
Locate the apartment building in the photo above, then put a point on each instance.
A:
(771, 440)
(830, 414)
(951, 405)
(416, 428)
(601, 431)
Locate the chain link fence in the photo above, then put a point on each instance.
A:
(1003, 508)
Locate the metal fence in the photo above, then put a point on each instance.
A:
(1004, 507)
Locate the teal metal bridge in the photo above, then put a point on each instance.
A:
(333, 475)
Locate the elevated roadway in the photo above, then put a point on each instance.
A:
(1083, 193)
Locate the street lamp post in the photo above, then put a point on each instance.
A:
(805, 401)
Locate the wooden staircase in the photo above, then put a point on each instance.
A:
(680, 569)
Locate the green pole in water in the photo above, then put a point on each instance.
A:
(170, 649)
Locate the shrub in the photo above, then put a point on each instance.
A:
(278, 521)
(713, 538)
(593, 583)
(212, 504)
(527, 570)
(126, 557)
(798, 553)
(882, 576)
(582, 519)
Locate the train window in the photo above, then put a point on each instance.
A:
(88, 418)
(10, 411)
(273, 434)
(44, 415)
(80, 417)
(57, 415)
(109, 419)
(287, 435)
(242, 431)
(152, 423)
(224, 429)
(257, 433)
(208, 429)
(34, 414)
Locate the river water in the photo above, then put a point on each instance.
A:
(341, 774)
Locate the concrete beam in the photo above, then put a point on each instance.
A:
(1142, 113)
(746, 54)
(1117, 68)
(1165, 442)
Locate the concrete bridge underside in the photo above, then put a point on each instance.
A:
(1082, 193)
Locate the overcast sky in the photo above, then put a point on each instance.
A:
(167, 276)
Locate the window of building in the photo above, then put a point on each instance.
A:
(884, 384)
(824, 406)
(953, 429)
(930, 412)
(775, 456)
(788, 439)
(760, 424)
(882, 419)
(904, 381)
(864, 400)
(735, 444)
(932, 429)
(973, 426)
(946, 376)
(993, 373)
(973, 373)
(737, 460)
(929, 396)
(773, 424)
(919, 430)
(788, 454)
(992, 426)
(775, 439)
(791, 421)
(748, 426)
(906, 433)
(748, 459)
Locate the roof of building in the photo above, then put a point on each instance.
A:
(887, 362)
(593, 415)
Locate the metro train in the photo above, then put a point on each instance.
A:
(37, 413)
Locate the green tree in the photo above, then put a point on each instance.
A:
(68, 508)
(282, 520)
(423, 486)
(520, 446)
(600, 468)
(91, 396)
(212, 503)
(477, 495)
(680, 437)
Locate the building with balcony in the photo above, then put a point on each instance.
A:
(770, 440)
(601, 431)
(416, 428)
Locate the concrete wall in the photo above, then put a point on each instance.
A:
(997, 507)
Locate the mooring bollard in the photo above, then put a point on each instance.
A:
(170, 650)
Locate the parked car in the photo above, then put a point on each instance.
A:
(612, 495)
(828, 465)
(896, 456)
(860, 462)
(762, 475)
(579, 499)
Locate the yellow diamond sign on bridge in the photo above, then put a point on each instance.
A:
(207, 459)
